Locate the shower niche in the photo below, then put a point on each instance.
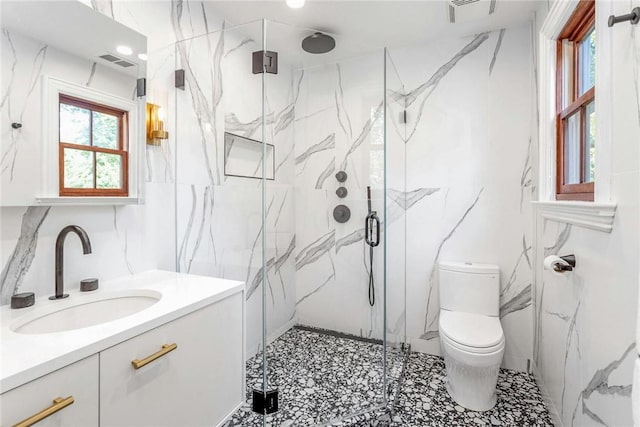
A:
(243, 158)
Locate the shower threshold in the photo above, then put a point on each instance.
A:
(325, 378)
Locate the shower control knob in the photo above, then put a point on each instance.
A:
(341, 176)
(342, 192)
(341, 213)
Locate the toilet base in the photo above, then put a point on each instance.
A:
(472, 387)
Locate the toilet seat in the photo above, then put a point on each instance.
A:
(470, 332)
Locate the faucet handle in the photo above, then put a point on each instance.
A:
(87, 285)
(22, 300)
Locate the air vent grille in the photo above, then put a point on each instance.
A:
(110, 58)
(124, 64)
(117, 61)
(463, 2)
(470, 10)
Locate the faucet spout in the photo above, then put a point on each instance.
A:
(86, 249)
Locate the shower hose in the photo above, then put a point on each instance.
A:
(371, 223)
(372, 289)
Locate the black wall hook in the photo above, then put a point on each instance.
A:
(634, 17)
(16, 125)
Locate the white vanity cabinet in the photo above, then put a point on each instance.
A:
(196, 384)
(78, 381)
(176, 363)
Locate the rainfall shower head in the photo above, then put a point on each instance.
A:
(318, 43)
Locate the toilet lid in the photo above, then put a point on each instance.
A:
(471, 330)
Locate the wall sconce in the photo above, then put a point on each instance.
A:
(155, 125)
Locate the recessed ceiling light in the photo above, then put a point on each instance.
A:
(295, 4)
(124, 50)
(142, 56)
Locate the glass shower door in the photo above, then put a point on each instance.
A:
(218, 174)
(396, 203)
(323, 285)
(280, 157)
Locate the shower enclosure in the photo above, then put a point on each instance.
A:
(261, 131)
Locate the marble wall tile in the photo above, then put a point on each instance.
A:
(338, 126)
(455, 145)
(117, 237)
(25, 62)
(585, 322)
(220, 218)
(124, 238)
(451, 195)
(584, 346)
(19, 262)
(210, 223)
(456, 195)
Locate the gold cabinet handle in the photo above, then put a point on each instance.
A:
(137, 364)
(58, 404)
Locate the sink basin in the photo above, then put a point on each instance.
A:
(82, 311)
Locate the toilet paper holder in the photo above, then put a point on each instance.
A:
(569, 259)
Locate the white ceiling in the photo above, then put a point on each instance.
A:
(364, 26)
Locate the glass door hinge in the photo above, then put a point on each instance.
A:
(265, 403)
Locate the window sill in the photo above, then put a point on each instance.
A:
(594, 216)
(87, 201)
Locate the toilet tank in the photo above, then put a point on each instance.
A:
(470, 287)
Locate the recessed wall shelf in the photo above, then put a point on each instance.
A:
(595, 216)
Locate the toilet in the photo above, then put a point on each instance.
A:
(471, 337)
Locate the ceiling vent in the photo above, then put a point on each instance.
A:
(118, 61)
(462, 2)
(124, 63)
(110, 58)
(469, 10)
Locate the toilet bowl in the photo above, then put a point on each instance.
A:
(471, 337)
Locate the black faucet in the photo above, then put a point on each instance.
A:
(86, 248)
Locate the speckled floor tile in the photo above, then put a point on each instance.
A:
(424, 401)
(322, 379)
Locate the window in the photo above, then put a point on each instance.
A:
(93, 157)
(91, 145)
(575, 105)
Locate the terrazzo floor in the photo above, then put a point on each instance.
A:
(320, 377)
(424, 401)
(323, 378)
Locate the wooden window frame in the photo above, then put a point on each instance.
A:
(122, 150)
(579, 25)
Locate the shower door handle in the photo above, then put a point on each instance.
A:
(372, 221)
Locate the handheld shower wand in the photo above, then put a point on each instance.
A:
(372, 239)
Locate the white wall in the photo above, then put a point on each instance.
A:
(219, 218)
(585, 321)
(339, 127)
(465, 195)
(24, 62)
(213, 226)
(125, 239)
(463, 134)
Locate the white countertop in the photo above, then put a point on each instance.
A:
(25, 357)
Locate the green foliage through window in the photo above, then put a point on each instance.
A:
(96, 160)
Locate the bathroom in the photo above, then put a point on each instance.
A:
(322, 213)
